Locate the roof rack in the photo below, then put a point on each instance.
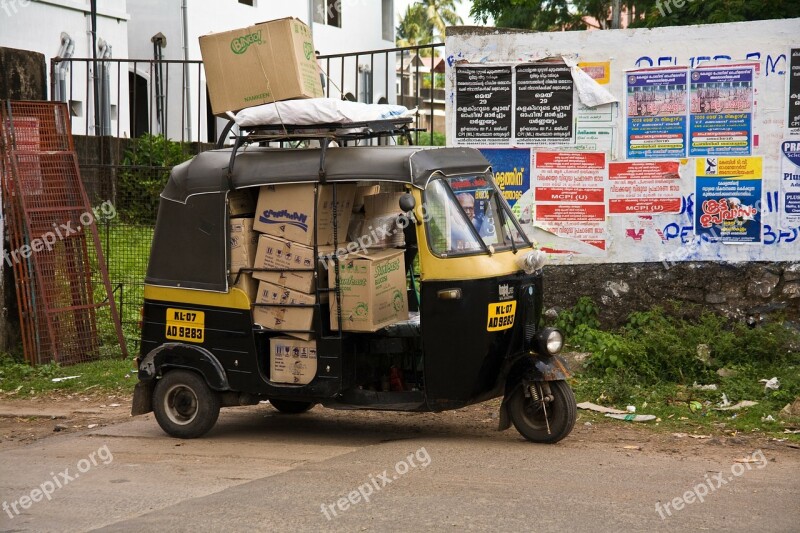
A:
(326, 134)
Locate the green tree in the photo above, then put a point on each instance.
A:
(442, 13)
(425, 22)
(557, 15)
(666, 13)
(415, 27)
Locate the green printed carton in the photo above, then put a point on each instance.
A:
(373, 289)
(265, 63)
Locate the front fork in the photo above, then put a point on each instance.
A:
(535, 381)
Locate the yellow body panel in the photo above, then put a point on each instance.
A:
(234, 299)
(479, 266)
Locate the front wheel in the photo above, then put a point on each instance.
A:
(289, 407)
(185, 407)
(527, 412)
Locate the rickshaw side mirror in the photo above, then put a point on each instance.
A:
(407, 202)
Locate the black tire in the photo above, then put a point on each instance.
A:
(289, 407)
(185, 407)
(528, 416)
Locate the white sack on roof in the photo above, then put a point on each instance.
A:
(318, 111)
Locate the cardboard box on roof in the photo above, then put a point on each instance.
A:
(244, 242)
(373, 290)
(260, 64)
(292, 360)
(284, 318)
(287, 211)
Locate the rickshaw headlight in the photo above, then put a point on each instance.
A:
(551, 341)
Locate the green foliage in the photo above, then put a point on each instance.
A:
(656, 347)
(415, 27)
(423, 138)
(146, 169)
(583, 315)
(558, 15)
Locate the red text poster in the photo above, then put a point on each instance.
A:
(644, 188)
(570, 193)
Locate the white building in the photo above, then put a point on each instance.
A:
(63, 27)
(172, 99)
(339, 26)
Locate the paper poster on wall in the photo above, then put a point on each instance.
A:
(570, 192)
(599, 71)
(728, 199)
(793, 92)
(545, 104)
(721, 121)
(483, 105)
(655, 109)
(644, 188)
(790, 183)
(512, 171)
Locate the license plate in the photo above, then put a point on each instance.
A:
(501, 316)
(186, 325)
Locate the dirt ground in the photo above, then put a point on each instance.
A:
(24, 421)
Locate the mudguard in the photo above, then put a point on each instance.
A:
(552, 368)
(178, 355)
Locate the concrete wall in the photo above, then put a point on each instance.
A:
(738, 291)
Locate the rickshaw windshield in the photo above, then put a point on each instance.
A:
(465, 215)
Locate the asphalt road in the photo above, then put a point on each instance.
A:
(338, 471)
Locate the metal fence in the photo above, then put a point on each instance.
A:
(152, 114)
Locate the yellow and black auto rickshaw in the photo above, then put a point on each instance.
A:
(474, 294)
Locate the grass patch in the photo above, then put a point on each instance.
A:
(106, 375)
(654, 360)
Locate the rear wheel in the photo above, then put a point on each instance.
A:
(185, 407)
(289, 407)
(540, 421)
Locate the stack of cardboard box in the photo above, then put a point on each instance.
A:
(285, 220)
(241, 206)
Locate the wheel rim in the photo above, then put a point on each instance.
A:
(180, 404)
(534, 414)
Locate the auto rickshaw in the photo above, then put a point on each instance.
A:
(474, 331)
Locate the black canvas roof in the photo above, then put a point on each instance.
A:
(254, 166)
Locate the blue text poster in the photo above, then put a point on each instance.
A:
(721, 121)
(790, 183)
(729, 199)
(512, 171)
(657, 101)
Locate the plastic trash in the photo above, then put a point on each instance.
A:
(704, 387)
(770, 384)
(630, 417)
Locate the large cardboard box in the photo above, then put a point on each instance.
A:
(260, 64)
(287, 211)
(382, 204)
(241, 202)
(244, 243)
(274, 252)
(247, 284)
(284, 318)
(361, 192)
(292, 360)
(373, 290)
